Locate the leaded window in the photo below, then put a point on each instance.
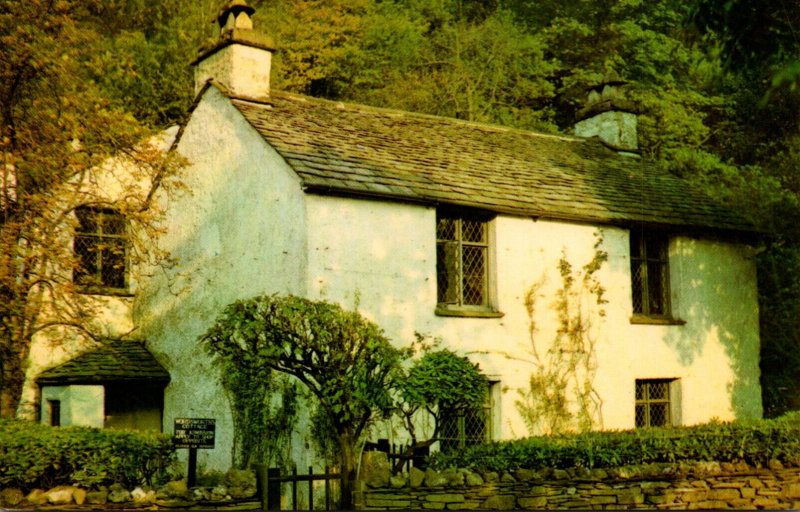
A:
(462, 260)
(462, 428)
(653, 403)
(100, 246)
(649, 274)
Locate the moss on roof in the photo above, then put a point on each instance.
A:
(113, 361)
(367, 151)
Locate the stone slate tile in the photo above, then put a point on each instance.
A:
(112, 361)
(347, 148)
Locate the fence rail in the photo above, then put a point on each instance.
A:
(270, 481)
(399, 455)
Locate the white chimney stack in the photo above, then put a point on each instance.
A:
(609, 116)
(240, 60)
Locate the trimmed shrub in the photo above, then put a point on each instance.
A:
(755, 442)
(35, 455)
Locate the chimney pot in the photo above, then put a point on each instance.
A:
(241, 58)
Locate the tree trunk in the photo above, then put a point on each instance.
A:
(12, 377)
(347, 450)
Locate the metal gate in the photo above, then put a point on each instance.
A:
(272, 483)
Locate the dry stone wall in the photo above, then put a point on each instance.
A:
(695, 486)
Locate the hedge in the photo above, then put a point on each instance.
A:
(755, 442)
(34, 455)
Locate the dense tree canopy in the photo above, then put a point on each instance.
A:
(57, 125)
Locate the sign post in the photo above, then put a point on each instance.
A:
(194, 433)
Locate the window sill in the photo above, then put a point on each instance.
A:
(656, 320)
(467, 313)
(99, 290)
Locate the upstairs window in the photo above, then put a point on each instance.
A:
(462, 261)
(100, 246)
(650, 274)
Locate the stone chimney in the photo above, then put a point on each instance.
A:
(609, 116)
(240, 59)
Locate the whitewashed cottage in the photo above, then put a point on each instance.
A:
(456, 230)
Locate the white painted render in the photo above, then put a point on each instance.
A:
(382, 257)
(81, 405)
(243, 70)
(238, 232)
(617, 128)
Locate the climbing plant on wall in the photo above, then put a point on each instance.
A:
(263, 404)
(561, 396)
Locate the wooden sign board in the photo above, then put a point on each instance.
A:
(194, 432)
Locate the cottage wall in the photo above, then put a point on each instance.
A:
(381, 257)
(238, 231)
(80, 405)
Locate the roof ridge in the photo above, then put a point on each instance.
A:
(393, 111)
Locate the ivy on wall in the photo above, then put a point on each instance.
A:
(264, 405)
(561, 396)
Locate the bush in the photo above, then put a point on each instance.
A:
(35, 455)
(755, 442)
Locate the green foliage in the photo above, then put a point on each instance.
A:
(445, 380)
(343, 359)
(57, 125)
(755, 442)
(263, 403)
(561, 395)
(35, 455)
(440, 382)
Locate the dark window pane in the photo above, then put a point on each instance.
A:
(113, 224)
(655, 287)
(652, 403)
(473, 231)
(641, 415)
(55, 413)
(100, 249)
(641, 390)
(475, 427)
(87, 259)
(474, 274)
(655, 247)
(446, 229)
(461, 261)
(649, 274)
(637, 285)
(658, 415)
(87, 220)
(113, 270)
(636, 244)
(447, 272)
(460, 429)
(659, 390)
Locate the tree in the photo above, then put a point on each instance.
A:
(343, 359)
(755, 35)
(440, 383)
(57, 130)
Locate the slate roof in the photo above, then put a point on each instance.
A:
(114, 361)
(355, 149)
